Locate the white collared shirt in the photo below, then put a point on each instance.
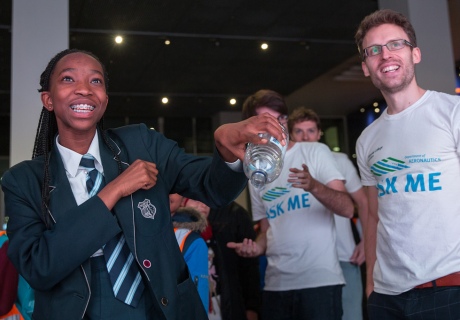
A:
(77, 176)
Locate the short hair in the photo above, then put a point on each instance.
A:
(384, 16)
(264, 98)
(301, 114)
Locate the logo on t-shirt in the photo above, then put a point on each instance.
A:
(275, 193)
(410, 182)
(388, 165)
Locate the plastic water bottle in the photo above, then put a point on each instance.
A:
(263, 162)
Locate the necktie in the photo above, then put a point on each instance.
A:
(124, 274)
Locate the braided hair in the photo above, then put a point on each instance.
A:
(47, 129)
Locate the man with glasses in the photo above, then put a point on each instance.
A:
(409, 161)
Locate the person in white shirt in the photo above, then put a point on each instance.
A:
(303, 279)
(305, 125)
(409, 160)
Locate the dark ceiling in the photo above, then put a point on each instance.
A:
(214, 52)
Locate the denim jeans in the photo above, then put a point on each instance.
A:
(352, 292)
(441, 303)
(322, 303)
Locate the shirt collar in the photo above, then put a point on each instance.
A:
(71, 159)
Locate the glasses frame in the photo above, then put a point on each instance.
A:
(283, 118)
(380, 46)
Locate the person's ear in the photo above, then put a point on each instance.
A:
(47, 101)
(365, 69)
(416, 55)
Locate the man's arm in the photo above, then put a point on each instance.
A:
(360, 199)
(370, 236)
(333, 195)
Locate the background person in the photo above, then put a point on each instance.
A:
(303, 279)
(188, 224)
(236, 294)
(305, 125)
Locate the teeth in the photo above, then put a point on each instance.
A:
(390, 68)
(82, 108)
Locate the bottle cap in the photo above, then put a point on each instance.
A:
(258, 179)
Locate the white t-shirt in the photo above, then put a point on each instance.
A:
(413, 159)
(301, 251)
(345, 241)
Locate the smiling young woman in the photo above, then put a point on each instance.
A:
(59, 233)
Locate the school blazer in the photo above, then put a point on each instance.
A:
(56, 262)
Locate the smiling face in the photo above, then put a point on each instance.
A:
(390, 71)
(305, 131)
(77, 95)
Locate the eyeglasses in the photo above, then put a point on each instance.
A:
(282, 118)
(391, 46)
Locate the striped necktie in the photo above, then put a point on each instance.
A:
(124, 274)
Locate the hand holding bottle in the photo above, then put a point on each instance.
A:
(263, 162)
(231, 138)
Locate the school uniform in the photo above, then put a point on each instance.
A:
(56, 262)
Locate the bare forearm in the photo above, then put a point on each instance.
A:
(337, 201)
(261, 241)
(370, 236)
(225, 153)
(370, 242)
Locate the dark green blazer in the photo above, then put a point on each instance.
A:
(55, 261)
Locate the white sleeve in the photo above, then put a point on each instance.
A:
(324, 168)
(257, 205)
(348, 169)
(367, 178)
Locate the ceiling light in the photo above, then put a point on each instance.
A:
(164, 100)
(232, 101)
(376, 110)
(264, 46)
(215, 41)
(375, 104)
(305, 44)
(167, 42)
(118, 39)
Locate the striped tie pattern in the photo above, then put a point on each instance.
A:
(94, 178)
(124, 274)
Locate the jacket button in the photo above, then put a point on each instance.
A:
(164, 301)
(147, 263)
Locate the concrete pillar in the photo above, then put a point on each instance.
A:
(40, 29)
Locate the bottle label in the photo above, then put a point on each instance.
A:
(278, 144)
